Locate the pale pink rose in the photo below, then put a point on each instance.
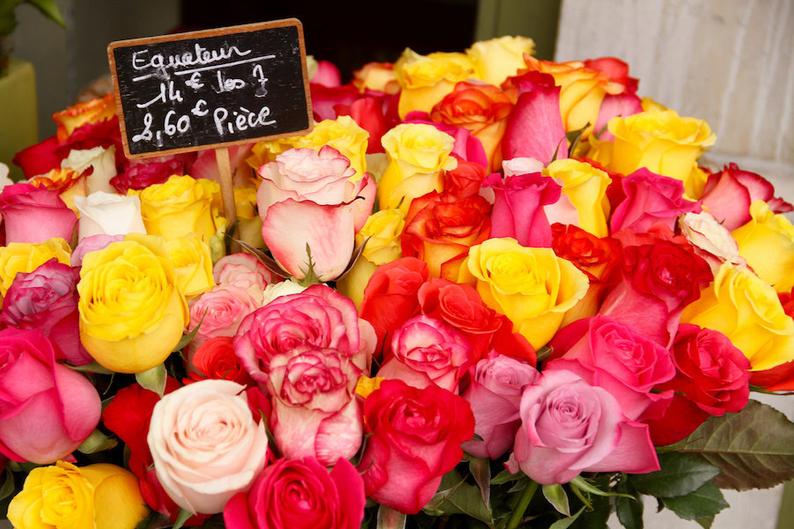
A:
(569, 427)
(712, 240)
(307, 202)
(427, 351)
(315, 412)
(245, 271)
(92, 244)
(206, 445)
(34, 215)
(495, 395)
(220, 311)
(519, 166)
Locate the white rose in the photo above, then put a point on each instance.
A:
(102, 160)
(4, 179)
(284, 288)
(109, 214)
(706, 233)
(206, 445)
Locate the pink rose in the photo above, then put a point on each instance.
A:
(46, 409)
(426, 351)
(34, 215)
(495, 395)
(308, 203)
(318, 317)
(315, 412)
(205, 164)
(205, 444)
(300, 494)
(612, 356)
(729, 193)
(220, 311)
(140, 174)
(569, 427)
(245, 271)
(46, 300)
(92, 244)
(650, 199)
(518, 207)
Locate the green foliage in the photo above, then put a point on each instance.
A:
(703, 503)
(680, 474)
(456, 496)
(8, 18)
(153, 379)
(97, 442)
(556, 495)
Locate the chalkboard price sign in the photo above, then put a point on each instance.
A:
(211, 89)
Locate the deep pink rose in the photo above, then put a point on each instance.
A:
(300, 494)
(315, 411)
(307, 202)
(495, 395)
(623, 105)
(612, 356)
(34, 215)
(518, 207)
(91, 244)
(414, 438)
(220, 312)
(467, 147)
(327, 74)
(426, 351)
(650, 199)
(46, 300)
(569, 427)
(46, 409)
(318, 317)
(327, 100)
(729, 193)
(140, 174)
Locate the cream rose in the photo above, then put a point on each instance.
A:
(206, 445)
(103, 162)
(703, 231)
(109, 214)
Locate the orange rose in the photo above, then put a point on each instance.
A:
(440, 229)
(480, 108)
(78, 115)
(581, 90)
(377, 76)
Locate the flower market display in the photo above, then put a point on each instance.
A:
(485, 291)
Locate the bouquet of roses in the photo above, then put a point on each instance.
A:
(484, 291)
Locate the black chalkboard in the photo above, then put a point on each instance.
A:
(209, 89)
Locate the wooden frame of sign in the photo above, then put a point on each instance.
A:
(199, 88)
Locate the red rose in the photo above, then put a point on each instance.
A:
(39, 158)
(616, 70)
(144, 173)
(414, 438)
(658, 281)
(215, 359)
(597, 257)
(299, 494)
(465, 180)
(390, 296)
(33, 215)
(440, 229)
(46, 300)
(461, 307)
(712, 379)
(326, 99)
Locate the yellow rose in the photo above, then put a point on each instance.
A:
(747, 310)
(378, 76)
(426, 79)
(23, 257)
(180, 206)
(132, 313)
(249, 225)
(417, 155)
(581, 90)
(531, 286)
(497, 59)
(64, 496)
(664, 143)
(767, 244)
(584, 186)
(382, 233)
(649, 104)
(190, 258)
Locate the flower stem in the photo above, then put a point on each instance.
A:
(523, 503)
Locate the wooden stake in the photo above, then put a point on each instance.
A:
(227, 186)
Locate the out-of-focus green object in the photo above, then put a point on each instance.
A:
(8, 19)
(532, 18)
(18, 112)
(786, 516)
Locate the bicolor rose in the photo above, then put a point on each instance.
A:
(33, 215)
(220, 312)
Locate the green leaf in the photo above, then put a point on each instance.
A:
(629, 510)
(456, 496)
(565, 523)
(390, 519)
(705, 523)
(182, 517)
(752, 449)
(506, 477)
(153, 379)
(49, 9)
(481, 472)
(97, 442)
(7, 488)
(187, 338)
(93, 367)
(555, 495)
(582, 484)
(705, 502)
(680, 474)
(310, 276)
(574, 137)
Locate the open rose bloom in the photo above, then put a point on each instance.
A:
(445, 313)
